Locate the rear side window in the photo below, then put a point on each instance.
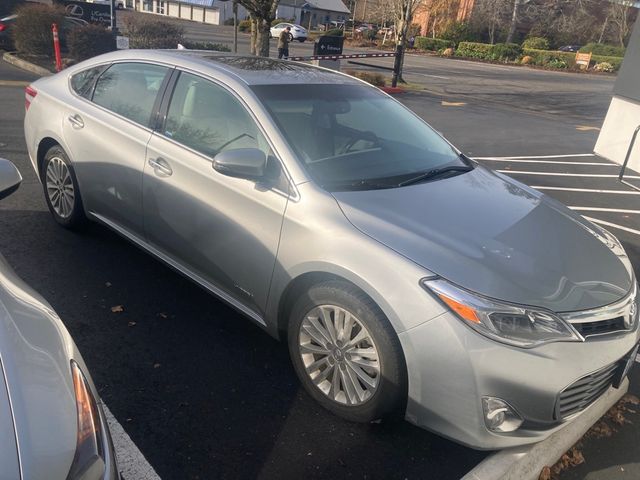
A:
(130, 90)
(82, 82)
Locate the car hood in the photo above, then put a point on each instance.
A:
(490, 234)
(35, 351)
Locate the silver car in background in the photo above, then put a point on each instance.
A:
(52, 426)
(404, 275)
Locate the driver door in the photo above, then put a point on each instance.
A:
(221, 231)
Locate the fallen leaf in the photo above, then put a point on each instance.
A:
(632, 399)
(117, 309)
(107, 284)
(132, 324)
(156, 365)
(163, 315)
(545, 474)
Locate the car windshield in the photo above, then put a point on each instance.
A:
(353, 137)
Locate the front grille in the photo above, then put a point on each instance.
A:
(584, 392)
(599, 327)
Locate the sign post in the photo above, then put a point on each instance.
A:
(583, 59)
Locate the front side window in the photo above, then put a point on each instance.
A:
(353, 136)
(207, 118)
(82, 82)
(130, 90)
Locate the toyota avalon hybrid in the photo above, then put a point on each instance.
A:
(403, 275)
(52, 426)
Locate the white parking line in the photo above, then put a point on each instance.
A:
(612, 225)
(551, 162)
(586, 190)
(557, 174)
(131, 462)
(537, 157)
(427, 75)
(600, 209)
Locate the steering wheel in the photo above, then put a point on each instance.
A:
(357, 136)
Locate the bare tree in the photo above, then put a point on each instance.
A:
(619, 16)
(403, 12)
(492, 16)
(261, 13)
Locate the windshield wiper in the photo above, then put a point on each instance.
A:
(358, 185)
(435, 173)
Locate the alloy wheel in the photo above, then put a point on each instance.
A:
(60, 187)
(339, 355)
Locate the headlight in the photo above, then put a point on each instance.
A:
(515, 325)
(88, 462)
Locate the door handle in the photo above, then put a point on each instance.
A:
(161, 165)
(76, 121)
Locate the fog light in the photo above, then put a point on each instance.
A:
(499, 416)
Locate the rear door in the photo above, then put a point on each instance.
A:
(107, 129)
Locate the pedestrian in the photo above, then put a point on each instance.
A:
(283, 42)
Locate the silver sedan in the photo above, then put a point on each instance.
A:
(52, 426)
(403, 275)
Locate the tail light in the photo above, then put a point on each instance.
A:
(29, 95)
(3, 27)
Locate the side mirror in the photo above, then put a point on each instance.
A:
(10, 178)
(248, 163)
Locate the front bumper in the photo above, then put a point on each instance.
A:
(451, 368)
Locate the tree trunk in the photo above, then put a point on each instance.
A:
(262, 37)
(514, 21)
(604, 29)
(254, 35)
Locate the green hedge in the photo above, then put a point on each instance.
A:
(90, 40)
(546, 58)
(32, 29)
(485, 51)
(602, 49)
(537, 43)
(432, 44)
(334, 32)
(218, 47)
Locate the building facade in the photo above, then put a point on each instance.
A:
(433, 15)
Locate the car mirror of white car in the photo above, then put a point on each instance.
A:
(247, 163)
(10, 178)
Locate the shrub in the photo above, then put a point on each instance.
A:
(376, 79)
(557, 63)
(474, 50)
(218, 47)
(615, 62)
(334, 32)
(89, 41)
(244, 26)
(448, 52)
(152, 33)
(602, 49)
(604, 67)
(457, 32)
(505, 51)
(526, 60)
(32, 29)
(543, 58)
(538, 43)
(432, 44)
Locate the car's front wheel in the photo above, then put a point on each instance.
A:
(345, 352)
(61, 189)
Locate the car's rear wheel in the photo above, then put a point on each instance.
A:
(61, 189)
(346, 353)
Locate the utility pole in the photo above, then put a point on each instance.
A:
(235, 26)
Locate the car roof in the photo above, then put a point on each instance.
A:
(251, 70)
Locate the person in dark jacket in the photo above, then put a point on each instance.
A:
(283, 42)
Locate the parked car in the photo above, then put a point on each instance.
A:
(6, 40)
(403, 275)
(7, 25)
(570, 48)
(297, 31)
(52, 426)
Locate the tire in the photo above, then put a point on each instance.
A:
(301, 40)
(385, 389)
(61, 190)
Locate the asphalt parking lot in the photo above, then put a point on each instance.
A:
(202, 392)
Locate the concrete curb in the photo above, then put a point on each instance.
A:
(24, 65)
(525, 463)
